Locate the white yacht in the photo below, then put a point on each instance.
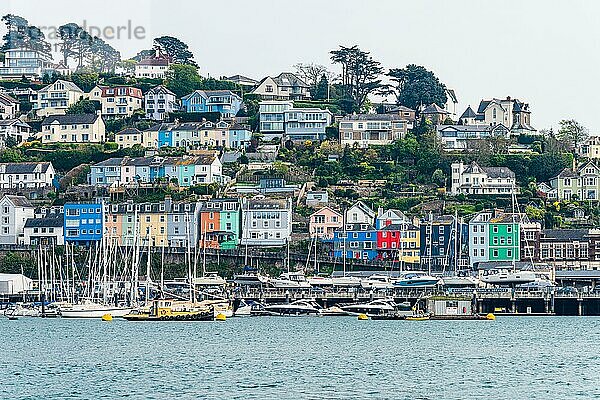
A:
(377, 307)
(319, 281)
(298, 307)
(346, 281)
(210, 279)
(460, 281)
(377, 282)
(290, 280)
(418, 279)
(507, 276)
(90, 309)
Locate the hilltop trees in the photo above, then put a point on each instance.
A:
(22, 35)
(417, 87)
(176, 49)
(360, 75)
(182, 79)
(571, 134)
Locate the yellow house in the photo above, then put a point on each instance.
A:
(399, 242)
(128, 137)
(153, 225)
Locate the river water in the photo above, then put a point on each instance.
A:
(301, 358)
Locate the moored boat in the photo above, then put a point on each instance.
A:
(93, 310)
(172, 310)
(416, 279)
(298, 307)
(507, 276)
(378, 307)
(290, 280)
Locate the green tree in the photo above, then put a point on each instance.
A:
(128, 65)
(182, 79)
(85, 80)
(176, 50)
(572, 134)
(22, 35)
(70, 35)
(322, 90)
(84, 106)
(439, 178)
(360, 73)
(417, 87)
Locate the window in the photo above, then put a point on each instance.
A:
(509, 253)
(495, 253)
(509, 229)
(495, 229)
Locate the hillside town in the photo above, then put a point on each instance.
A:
(148, 151)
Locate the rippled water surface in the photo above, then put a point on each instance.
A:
(301, 358)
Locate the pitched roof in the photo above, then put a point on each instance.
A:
(14, 121)
(128, 131)
(564, 234)
(400, 227)
(237, 78)
(499, 172)
(160, 89)
(71, 119)
(25, 167)
(434, 109)
(469, 113)
(19, 201)
(289, 79)
(48, 221)
(452, 94)
(370, 117)
(7, 99)
(67, 84)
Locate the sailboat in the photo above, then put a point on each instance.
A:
(316, 280)
(344, 280)
(455, 278)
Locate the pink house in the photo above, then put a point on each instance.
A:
(324, 222)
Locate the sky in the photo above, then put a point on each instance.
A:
(543, 52)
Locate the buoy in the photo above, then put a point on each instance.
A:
(362, 317)
(490, 316)
(107, 317)
(220, 317)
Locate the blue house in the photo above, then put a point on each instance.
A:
(239, 136)
(84, 222)
(440, 242)
(358, 241)
(224, 101)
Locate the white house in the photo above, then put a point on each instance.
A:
(371, 129)
(129, 137)
(73, 128)
(465, 137)
(14, 212)
(117, 101)
(21, 62)
(159, 102)
(15, 129)
(512, 113)
(360, 213)
(266, 222)
(9, 106)
(27, 175)
(153, 67)
(55, 98)
(285, 86)
(45, 230)
(474, 179)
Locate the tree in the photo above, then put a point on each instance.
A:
(176, 50)
(84, 106)
(144, 54)
(22, 35)
(416, 87)
(101, 56)
(128, 66)
(85, 80)
(572, 134)
(439, 178)
(322, 89)
(360, 73)
(70, 36)
(182, 79)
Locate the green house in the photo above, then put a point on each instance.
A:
(504, 238)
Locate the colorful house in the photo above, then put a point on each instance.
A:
(223, 101)
(324, 223)
(399, 242)
(219, 223)
(83, 223)
(441, 243)
(495, 237)
(356, 241)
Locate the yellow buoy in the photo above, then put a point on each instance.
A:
(220, 317)
(362, 317)
(107, 317)
(490, 316)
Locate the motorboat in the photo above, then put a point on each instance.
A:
(219, 306)
(90, 309)
(346, 281)
(460, 281)
(378, 307)
(507, 276)
(250, 279)
(417, 279)
(333, 311)
(244, 308)
(377, 282)
(319, 281)
(298, 307)
(542, 282)
(290, 280)
(210, 279)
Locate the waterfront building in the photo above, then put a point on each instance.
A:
(219, 223)
(83, 223)
(474, 179)
(21, 62)
(495, 237)
(272, 118)
(14, 212)
(117, 101)
(355, 241)
(56, 98)
(582, 183)
(73, 128)
(306, 123)
(266, 222)
(285, 86)
(399, 242)
(159, 102)
(14, 129)
(371, 129)
(324, 222)
(222, 101)
(569, 249)
(443, 243)
(46, 230)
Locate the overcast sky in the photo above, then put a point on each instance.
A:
(544, 52)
